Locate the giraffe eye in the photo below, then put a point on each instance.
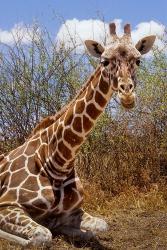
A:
(137, 62)
(105, 62)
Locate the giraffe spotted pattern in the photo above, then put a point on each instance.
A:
(39, 183)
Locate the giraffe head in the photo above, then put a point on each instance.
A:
(119, 59)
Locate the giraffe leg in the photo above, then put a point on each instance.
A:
(17, 226)
(81, 224)
(91, 223)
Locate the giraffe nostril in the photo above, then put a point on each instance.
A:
(122, 87)
(130, 86)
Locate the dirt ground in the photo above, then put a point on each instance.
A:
(128, 230)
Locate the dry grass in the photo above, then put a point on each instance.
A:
(131, 199)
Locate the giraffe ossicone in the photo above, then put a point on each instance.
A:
(40, 191)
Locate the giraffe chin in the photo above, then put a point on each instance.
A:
(128, 105)
(127, 101)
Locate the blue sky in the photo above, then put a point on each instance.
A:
(133, 11)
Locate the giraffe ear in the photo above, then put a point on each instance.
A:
(94, 48)
(145, 44)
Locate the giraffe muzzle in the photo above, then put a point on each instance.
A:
(126, 93)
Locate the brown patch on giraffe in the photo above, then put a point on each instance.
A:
(77, 124)
(39, 204)
(115, 82)
(17, 152)
(2, 222)
(80, 106)
(26, 195)
(4, 166)
(32, 165)
(43, 152)
(2, 156)
(72, 138)
(59, 132)
(105, 74)
(32, 147)
(4, 182)
(69, 117)
(49, 195)
(71, 196)
(18, 177)
(52, 147)
(44, 136)
(65, 151)
(9, 197)
(92, 111)
(87, 124)
(18, 163)
(43, 172)
(31, 184)
(100, 99)
(34, 212)
(71, 163)
(53, 142)
(104, 86)
(89, 94)
(44, 180)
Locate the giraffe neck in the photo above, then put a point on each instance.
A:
(69, 132)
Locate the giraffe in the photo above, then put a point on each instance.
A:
(40, 191)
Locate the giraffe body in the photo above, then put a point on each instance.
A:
(40, 191)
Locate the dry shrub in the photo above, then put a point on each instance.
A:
(132, 200)
(125, 156)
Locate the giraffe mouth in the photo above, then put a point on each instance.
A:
(128, 105)
(127, 101)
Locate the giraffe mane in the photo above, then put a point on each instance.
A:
(49, 120)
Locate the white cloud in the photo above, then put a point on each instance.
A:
(76, 31)
(19, 32)
(149, 28)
